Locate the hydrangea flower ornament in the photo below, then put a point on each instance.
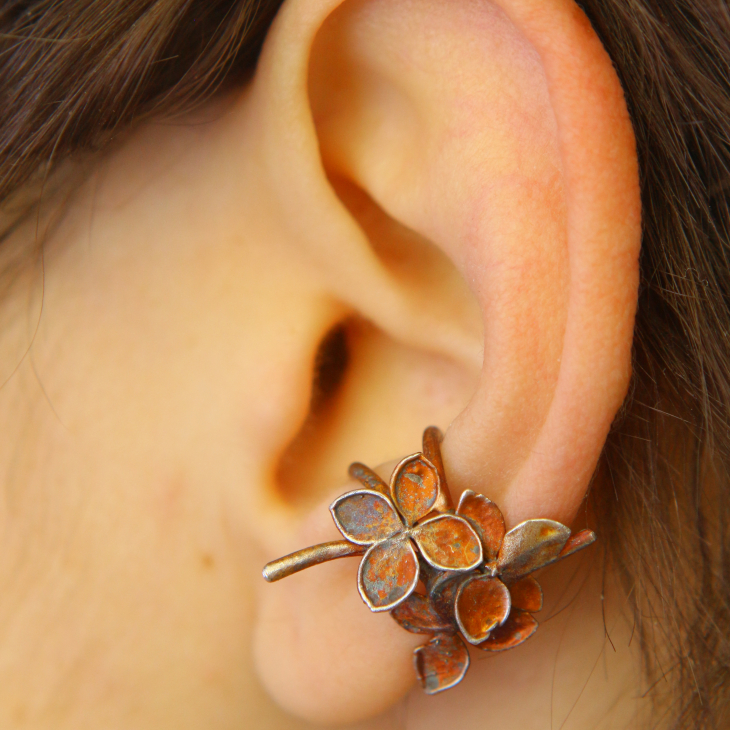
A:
(491, 607)
(478, 587)
(390, 522)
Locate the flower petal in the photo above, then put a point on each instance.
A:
(388, 574)
(482, 604)
(448, 542)
(518, 627)
(415, 487)
(441, 663)
(486, 518)
(418, 615)
(364, 516)
(442, 587)
(529, 546)
(368, 478)
(526, 594)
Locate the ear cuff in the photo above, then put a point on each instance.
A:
(455, 575)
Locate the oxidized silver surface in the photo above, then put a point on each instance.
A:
(476, 574)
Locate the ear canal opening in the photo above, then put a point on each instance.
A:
(295, 472)
(330, 367)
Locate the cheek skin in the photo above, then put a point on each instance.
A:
(173, 353)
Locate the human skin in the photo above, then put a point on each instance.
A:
(476, 226)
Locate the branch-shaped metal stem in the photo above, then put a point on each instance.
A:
(306, 558)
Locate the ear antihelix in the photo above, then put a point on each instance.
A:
(536, 242)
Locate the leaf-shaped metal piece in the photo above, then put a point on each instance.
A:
(530, 545)
(364, 517)
(448, 542)
(388, 574)
(441, 663)
(577, 542)
(415, 487)
(526, 594)
(418, 615)
(487, 518)
(482, 604)
(520, 626)
(368, 478)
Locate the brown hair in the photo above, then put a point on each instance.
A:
(665, 498)
(74, 74)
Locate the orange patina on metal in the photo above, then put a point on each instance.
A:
(476, 573)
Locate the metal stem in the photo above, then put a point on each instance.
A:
(307, 557)
(432, 451)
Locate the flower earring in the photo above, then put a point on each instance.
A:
(475, 575)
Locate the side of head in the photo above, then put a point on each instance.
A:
(393, 214)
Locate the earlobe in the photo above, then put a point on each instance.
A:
(492, 141)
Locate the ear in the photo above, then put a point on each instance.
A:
(462, 178)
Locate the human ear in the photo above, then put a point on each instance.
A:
(488, 137)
